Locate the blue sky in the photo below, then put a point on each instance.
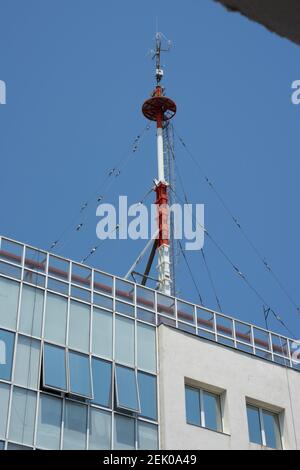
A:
(77, 73)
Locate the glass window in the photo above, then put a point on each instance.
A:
(34, 278)
(124, 340)
(75, 426)
(148, 395)
(56, 318)
(81, 275)
(165, 305)
(49, 422)
(126, 389)
(126, 309)
(80, 374)
(145, 298)
(185, 312)
(9, 300)
(103, 283)
(7, 340)
(192, 406)
(264, 427)
(81, 294)
(103, 301)
(58, 267)
(272, 431)
(35, 259)
(146, 347)
(55, 367)
(102, 333)
(31, 313)
(100, 429)
(102, 375)
(203, 408)
(147, 436)
(11, 251)
(212, 411)
(10, 270)
(124, 290)
(254, 425)
(22, 416)
(27, 362)
(58, 286)
(2, 444)
(4, 399)
(12, 446)
(124, 435)
(79, 326)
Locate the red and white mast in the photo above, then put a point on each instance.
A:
(159, 108)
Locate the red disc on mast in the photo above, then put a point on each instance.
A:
(159, 105)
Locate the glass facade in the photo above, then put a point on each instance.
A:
(77, 366)
(78, 356)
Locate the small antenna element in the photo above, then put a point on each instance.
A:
(159, 48)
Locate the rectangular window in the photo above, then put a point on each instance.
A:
(27, 362)
(56, 318)
(55, 367)
(212, 411)
(4, 399)
(203, 408)
(9, 300)
(31, 313)
(75, 426)
(22, 416)
(80, 374)
(192, 406)
(126, 389)
(147, 436)
(148, 395)
(100, 429)
(146, 347)
(7, 341)
(49, 422)
(124, 435)
(102, 379)
(79, 326)
(124, 340)
(264, 427)
(102, 333)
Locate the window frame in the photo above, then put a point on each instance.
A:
(70, 352)
(118, 405)
(262, 427)
(218, 396)
(51, 387)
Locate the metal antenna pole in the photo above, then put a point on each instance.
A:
(160, 109)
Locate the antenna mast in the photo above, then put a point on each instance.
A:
(161, 109)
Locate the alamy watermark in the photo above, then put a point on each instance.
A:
(295, 97)
(2, 92)
(137, 221)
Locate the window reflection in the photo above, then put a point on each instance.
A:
(55, 367)
(7, 340)
(126, 389)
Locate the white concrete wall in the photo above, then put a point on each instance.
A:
(184, 357)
